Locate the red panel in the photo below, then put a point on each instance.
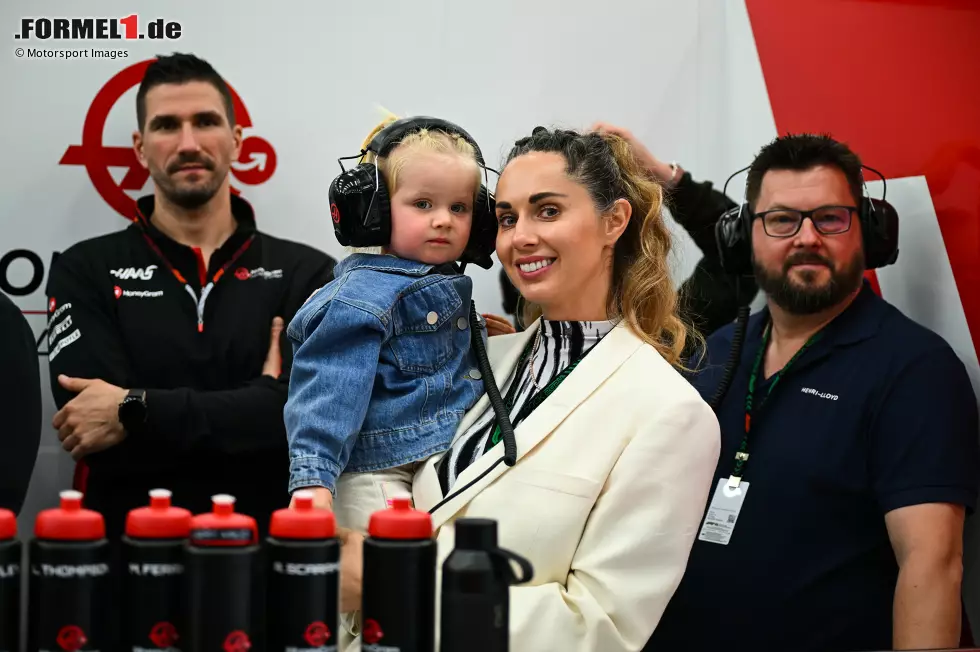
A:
(897, 80)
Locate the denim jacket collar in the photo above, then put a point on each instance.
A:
(390, 263)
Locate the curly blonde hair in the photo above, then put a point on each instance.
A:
(642, 291)
(424, 140)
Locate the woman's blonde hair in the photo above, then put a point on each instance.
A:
(642, 291)
(424, 140)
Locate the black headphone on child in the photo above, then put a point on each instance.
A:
(360, 203)
(879, 231)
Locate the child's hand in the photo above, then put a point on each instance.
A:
(498, 325)
(322, 498)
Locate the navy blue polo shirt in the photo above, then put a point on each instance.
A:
(876, 415)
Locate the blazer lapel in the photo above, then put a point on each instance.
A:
(614, 349)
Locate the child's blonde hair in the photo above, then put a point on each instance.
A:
(425, 140)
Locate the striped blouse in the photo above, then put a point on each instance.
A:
(560, 343)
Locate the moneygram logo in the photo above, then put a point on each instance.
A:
(255, 164)
(97, 29)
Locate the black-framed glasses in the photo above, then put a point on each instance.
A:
(828, 220)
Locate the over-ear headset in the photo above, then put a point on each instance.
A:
(360, 203)
(879, 231)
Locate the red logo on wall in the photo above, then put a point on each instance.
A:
(255, 165)
(317, 634)
(372, 631)
(71, 638)
(237, 641)
(164, 635)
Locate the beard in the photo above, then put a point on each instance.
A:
(808, 298)
(188, 196)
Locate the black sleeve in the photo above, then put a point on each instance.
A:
(924, 437)
(84, 341)
(709, 298)
(696, 206)
(242, 419)
(509, 292)
(83, 333)
(20, 403)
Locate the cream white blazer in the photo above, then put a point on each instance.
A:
(605, 501)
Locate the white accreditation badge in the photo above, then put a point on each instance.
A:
(719, 523)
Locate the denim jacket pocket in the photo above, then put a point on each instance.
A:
(422, 328)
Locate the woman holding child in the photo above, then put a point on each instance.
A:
(614, 466)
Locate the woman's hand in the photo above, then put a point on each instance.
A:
(322, 498)
(351, 569)
(497, 325)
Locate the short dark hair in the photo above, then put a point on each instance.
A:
(179, 68)
(803, 152)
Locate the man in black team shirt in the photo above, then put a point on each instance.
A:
(165, 337)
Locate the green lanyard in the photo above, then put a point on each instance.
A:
(742, 455)
(535, 400)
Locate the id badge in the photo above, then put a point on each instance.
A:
(719, 523)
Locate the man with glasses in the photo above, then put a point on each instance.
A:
(849, 443)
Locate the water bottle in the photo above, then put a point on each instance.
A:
(153, 557)
(399, 578)
(10, 549)
(476, 580)
(69, 583)
(220, 568)
(303, 573)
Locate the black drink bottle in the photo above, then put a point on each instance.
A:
(398, 595)
(153, 553)
(476, 580)
(10, 549)
(69, 583)
(303, 573)
(219, 572)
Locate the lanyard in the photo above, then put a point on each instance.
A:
(742, 454)
(205, 289)
(536, 399)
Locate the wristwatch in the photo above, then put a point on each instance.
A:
(132, 410)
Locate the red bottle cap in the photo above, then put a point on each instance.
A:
(70, 521)
(223, 526)
(400, 521)
(160, 520)
(8, 525)
(303, 521)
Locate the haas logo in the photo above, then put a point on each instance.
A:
(317, 634)
(237, 641)
(71, 638)
(255, 165)
(144, 274)
(164, 635)
(372, 631)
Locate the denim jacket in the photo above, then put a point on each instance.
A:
(382, 368)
